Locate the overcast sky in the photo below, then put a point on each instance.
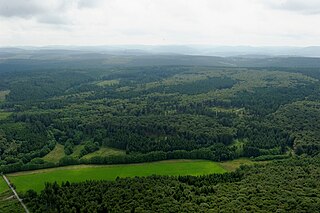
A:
(110, 22)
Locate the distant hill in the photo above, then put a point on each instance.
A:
(19, 59)
(206, 50)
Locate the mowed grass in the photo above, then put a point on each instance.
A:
(105, 151)
(35, 179)
(56, 154)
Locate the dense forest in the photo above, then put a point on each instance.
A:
(285, 186)
(65, 114)
(156, 112)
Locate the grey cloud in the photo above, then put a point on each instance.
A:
(300, 6)
(17, 8)
(88, 3)
(43, 11)
(52, 19)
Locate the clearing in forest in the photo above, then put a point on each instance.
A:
(35, 179)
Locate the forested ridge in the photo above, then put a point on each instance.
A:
(167, 112)
(134, 114)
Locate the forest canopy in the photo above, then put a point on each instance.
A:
(174, 111)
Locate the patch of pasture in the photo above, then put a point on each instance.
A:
(56, 154)
(105, 151)
(35, 179)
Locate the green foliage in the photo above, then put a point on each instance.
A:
(174, 111)
(301, 119)
(56, 154)
(197, 87)
(8, 203)
(288, 186)
(270, 157)
(68, 147)
(62, 116)
(45, 86)
(89, 147)
(105, 151)
(21, 142)
(4, 115)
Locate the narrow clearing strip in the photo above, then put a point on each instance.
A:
(15, 194)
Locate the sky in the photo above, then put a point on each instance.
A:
(160, 22)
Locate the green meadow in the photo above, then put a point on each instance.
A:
(105, 151)
(35, 179)
(56, 154)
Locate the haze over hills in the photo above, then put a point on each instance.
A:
(64, 107)
(77, 57)
(204, 50)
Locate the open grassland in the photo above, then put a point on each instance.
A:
(105, 151)
(56, 154)
(35, 179)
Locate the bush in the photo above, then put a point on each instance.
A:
(270, 157)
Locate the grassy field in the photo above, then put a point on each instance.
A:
(56, 154)
(105, 151)
(36, 179)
